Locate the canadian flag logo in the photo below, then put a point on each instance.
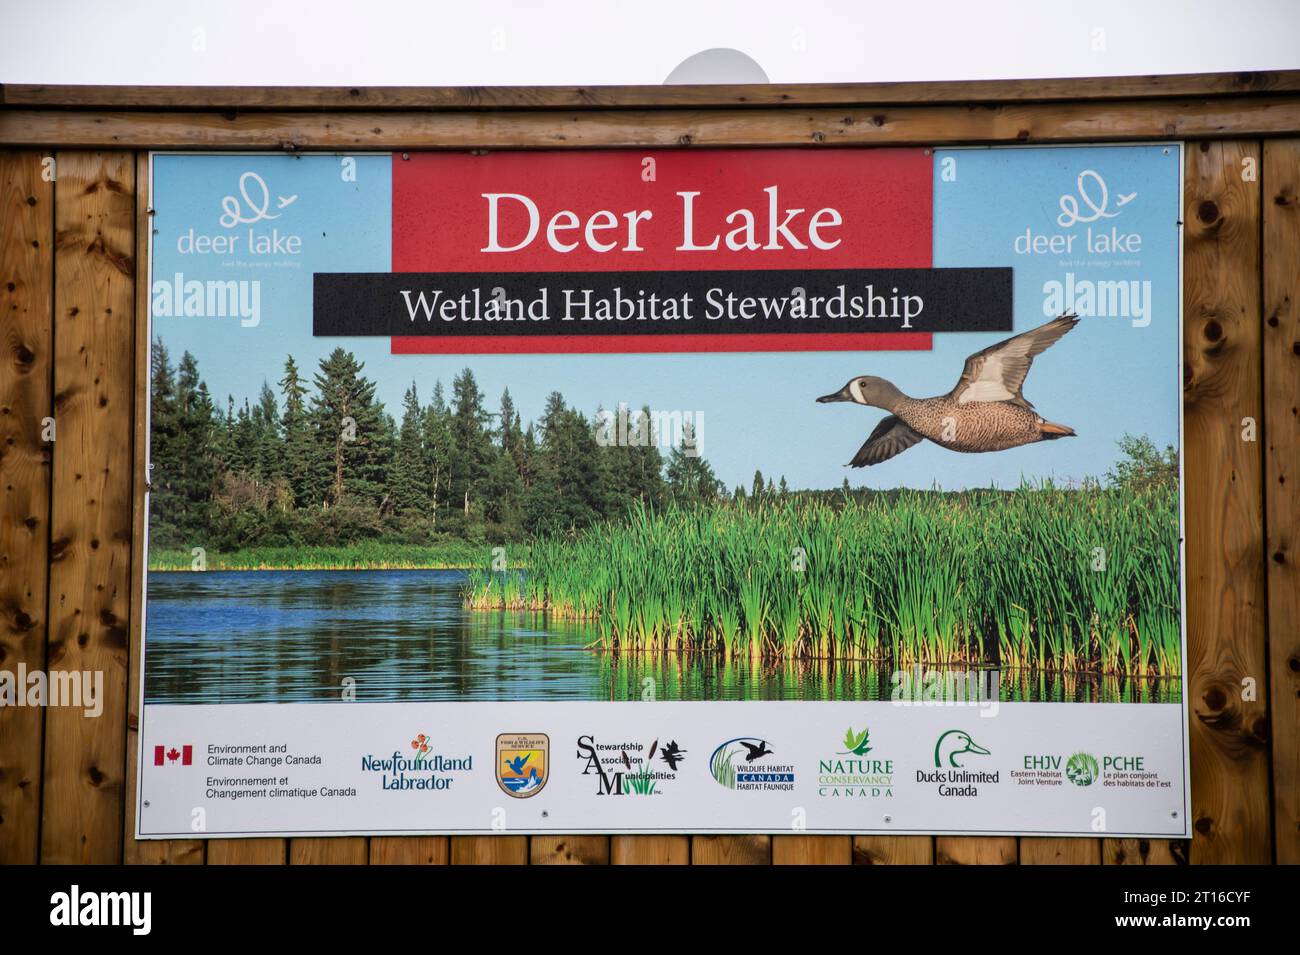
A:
(163, 755)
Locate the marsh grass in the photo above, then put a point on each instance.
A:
(365, 555)
(987, 578)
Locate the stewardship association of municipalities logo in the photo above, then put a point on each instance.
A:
(523, 761)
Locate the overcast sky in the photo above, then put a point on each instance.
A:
(388, 42)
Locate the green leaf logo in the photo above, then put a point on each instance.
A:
(857, 743)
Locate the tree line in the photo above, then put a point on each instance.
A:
(321, 461)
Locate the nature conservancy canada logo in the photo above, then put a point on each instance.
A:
(746, 763)
(523, 761)
(630, 769)
(423, 769)
(850, 772)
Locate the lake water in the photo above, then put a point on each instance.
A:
(295, 636)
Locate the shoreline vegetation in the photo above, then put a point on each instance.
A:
(366, 555)
(1047, 578)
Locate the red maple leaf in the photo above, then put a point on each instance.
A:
(173, 754)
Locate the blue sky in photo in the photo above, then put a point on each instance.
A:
(1105, 378)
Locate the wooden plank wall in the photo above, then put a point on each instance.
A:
(73, 348)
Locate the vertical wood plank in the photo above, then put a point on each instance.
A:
(247, 852)
(333, 850)
(893, 850)
(812, 850)
(26, 397)
(1225, 539)
(489, 850)
(976, 850)
(90, 547)
(1035, 850)
(409, 850)
(650, 850)
(138, 851)
(1145, 851)
(1281, 331)
(568, 850)
(731, 850)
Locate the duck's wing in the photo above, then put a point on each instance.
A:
(998, 372)
(890, 437)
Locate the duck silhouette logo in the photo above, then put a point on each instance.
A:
(985, 411)
(523, 760)
(953, 744)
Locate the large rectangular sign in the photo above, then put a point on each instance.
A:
(697, 491)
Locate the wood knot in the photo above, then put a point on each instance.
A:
(23, 354)
(1213, 330)
(1208, 211)
(1215, 698)
(96, 777)
(818, 136)
(1204, 825)
(685, 139)
(1259, 729)
(1294, 664)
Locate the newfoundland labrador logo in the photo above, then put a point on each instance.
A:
(744, 764)
(425, 769)
(851, 773)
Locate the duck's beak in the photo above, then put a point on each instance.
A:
(976, 748)
(841, 395)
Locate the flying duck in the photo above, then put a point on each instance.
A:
(984, 412)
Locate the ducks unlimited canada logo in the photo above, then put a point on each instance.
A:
(523, 761)
(424, 769)
(745, 764)
(851, 772)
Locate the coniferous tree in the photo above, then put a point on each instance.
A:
(690, 478)
(409, 487)
(348, 425)
(299, 445)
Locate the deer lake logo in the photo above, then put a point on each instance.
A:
(423, 769)
(852, 772)
(523, 761)
(630, 768)
(747, 764)
(954, 750)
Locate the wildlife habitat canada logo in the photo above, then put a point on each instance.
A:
(523, 761)
(745, 763)
(630, 769)
(851, 771)
(422, 769)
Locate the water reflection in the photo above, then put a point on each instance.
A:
(294, 636)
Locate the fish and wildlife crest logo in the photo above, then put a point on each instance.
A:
(746, 764)
(523, 762)
(1082, 769)
(630, 769)
(850, 772)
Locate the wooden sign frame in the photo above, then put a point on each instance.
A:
(73, 237)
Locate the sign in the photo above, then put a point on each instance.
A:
(699, 491)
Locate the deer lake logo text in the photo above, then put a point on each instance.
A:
(523, 761)
(629, 768)
(747, 764)
(853, 771)
(422, 769)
